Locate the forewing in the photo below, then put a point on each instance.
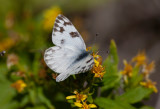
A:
(65, 34)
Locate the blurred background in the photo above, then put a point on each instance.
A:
(26, 26)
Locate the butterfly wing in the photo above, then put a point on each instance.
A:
(66, 62)
(76, 68)
(58, 59)
(69, 56)
(65, 34)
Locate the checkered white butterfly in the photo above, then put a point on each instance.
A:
(69, 55)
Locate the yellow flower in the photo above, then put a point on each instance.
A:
(19, 85)
(79, 97)
(147, 69)
(88, 48)
(127, 72)
(84, 105)
(127, 69)
(140, 59)
(98, 69)
(97, 59)
(50, 16)
(149, 84)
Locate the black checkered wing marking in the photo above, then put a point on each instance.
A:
(84, 65)
(65, 34)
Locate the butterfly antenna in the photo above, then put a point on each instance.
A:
(96, 37)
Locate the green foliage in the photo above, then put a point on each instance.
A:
(134, 95)
(146, 107)
(6, 95)
(112, 77)
(112, 104)
(111, 63)
(133, 92)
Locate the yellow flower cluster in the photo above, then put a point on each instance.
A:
(84, 105)
(19, 85)
(78, 96)
(149, 84)
(50, 16)
(127, 69)
(127, 72)
(140, 61)
(81, 100)
(98, 69)
(147, 69)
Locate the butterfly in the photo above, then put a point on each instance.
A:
(69, 55)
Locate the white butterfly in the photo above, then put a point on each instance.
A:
(69, 56)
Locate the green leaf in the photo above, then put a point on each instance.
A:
(110, 81)
(111, 63)
(36, 63)
(24, 101)
(136, 78)
(44, 99)
(146, 107)
(134, 95)
(32, 96)
(111, 77)
(90, 99)
(106, 103)
(6, 95)
(10, 105)
(37, 107)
